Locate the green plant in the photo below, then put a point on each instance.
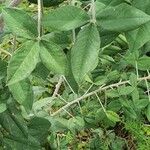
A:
(75, 75)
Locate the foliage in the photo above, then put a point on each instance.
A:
(75, 75)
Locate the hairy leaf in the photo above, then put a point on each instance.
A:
(84, 54)
(53, 57)
(23, 62)
(112, 116)
(122, 17)
(144, 63)
(3, 69)
(111, 2)
(60, 38)
(125, 90)
(22, 92)
(137, 38)
(65, 18)
(20, 23)
(38, 128)
(142, 103)
(2, 107)
(142, 5)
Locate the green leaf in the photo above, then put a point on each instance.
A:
(125, 90)
(142, 5)
(99, 6)
(142, 103)
(23, 94)
(125, 102)
(2, 107)
(39, 128)
(114, 105)
(58, 123)
(113, 76)
(84, 54)
(106, 60)
(20, 23)
(53, 57)
(3, 69)
(38, 105)
(65, 18)
(107, 37)
(100, 80)
(41, 71)
(14, 142)
(144, 63)
(133, 80)
(69, 77)
(18, 137)
(111, 2)
(137, 38)
(60, 38)
(76, 123)
(135, 94)
(128, 108)
(122, 17)
(12, 124)
(148, 112)
(23, 62)
(38, 123)
(113, 116)
(131, 58)
(112, 93)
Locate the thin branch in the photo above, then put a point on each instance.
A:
(81, 111)
(61, 98)
(89, 89)
(68, 113)
(14, 43)
(73, 31)
(39, 19)
(96, 91)
(57, 87)
(105, 99)
(137, 72)
(93, 11)
(147, 86)
(73, 36)
(1, 23)
(68, 84)
(100, 103)
(58, 141)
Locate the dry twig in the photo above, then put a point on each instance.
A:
(102, 88)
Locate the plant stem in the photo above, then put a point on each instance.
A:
(147, 86)
(100, 103)
(14, 43)
(93, 12)
(73, 36)
(96, 91)
(58, 85)
(40, 18)
(68, 84)
(137, 72)
(73, 31)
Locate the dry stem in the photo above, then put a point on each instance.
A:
(96, 91)
(58, 85)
